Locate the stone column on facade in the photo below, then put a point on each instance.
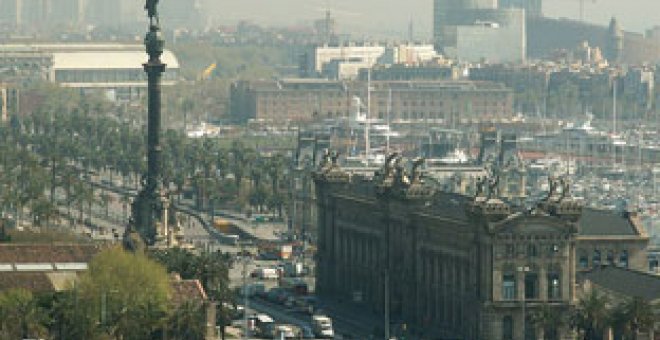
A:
(456, 293)
(437, 286)
(419, 274)
(425, 293)
(543, 283)
(323, 256)
(329, 243)
(368, 266)
(461, 295)
(445, 281)
(568, 274)
(518, 330)
(349, 264)
(339, 263)
(362, 267)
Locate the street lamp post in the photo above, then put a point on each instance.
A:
(244, 259)
(524, 269)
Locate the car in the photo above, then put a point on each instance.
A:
(284, 332)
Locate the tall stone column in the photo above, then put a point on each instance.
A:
(147, 210)
(543, 283)
(518, 331)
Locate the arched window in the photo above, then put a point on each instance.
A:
(623, 259)
(507, 328)
(583, 259)
(596, 258)
(610, 258)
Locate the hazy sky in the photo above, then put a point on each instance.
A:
(374, 17)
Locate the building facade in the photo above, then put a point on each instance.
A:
(447, 265)
(532, 7)
(114, 69)
(345, 61)
(438, 102)
(479, 30)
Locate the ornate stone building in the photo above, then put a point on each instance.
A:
(447, 265)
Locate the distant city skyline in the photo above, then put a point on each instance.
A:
(391, 17)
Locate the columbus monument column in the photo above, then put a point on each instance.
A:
(148, 224)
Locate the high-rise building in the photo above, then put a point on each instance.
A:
(30, 15)
(477, 30)
(532, 7)
(115, 14)
(614, 50)
(183, 14)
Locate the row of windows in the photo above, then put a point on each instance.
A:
(531, 286)
(532, 250)
(597, 258)
(107, 76)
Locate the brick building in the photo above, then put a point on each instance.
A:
(294, 100)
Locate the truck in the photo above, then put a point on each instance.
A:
(322, 327)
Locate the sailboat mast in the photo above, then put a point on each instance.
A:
(367, 150)
(389, 111)
(614, 109)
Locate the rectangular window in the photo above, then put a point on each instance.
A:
(554, 287)
(507, 328)
(583, 261)
(508, 287)
(531, 286)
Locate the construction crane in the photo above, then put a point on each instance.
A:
(206, 74)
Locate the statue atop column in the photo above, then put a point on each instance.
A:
(152, 10)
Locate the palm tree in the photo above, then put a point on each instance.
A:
(591, 314)
(632, 316)
(43, 212)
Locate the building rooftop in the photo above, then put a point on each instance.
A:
(105, 60)
(417, 85)
(605, 223)
(187, 291)
(47, 253)
(625, 281)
